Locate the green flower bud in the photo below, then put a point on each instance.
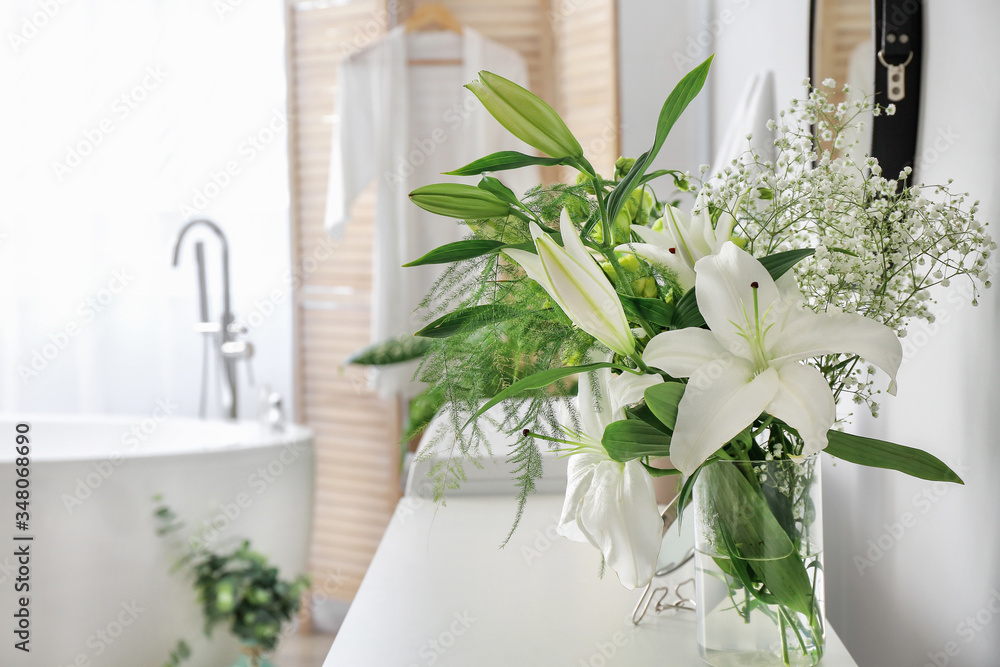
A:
(629, 262)
(623, 226)
(739, 241)
(622, 166)
(456, 200)
(648, 201)
(583, 178)
(644, 287)
(657, 225)
(525, 115)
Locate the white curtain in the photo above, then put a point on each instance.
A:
(121, 120)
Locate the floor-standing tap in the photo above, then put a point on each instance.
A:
(229, 347)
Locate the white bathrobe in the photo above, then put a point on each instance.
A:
(403, 124)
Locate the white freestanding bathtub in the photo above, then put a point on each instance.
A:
(101, 591)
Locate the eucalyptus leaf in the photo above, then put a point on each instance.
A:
(888, 455)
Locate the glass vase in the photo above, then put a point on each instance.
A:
(759, 563)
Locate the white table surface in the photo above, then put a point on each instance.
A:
(439, 592)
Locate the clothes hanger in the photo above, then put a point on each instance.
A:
(433, 16)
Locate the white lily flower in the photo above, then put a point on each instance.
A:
(683, 240)
(749, 362)
(575, 281)
(612, 505)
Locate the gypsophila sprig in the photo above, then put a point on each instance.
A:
(881, 243)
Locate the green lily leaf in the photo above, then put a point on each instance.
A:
(467, 319)
(779, 263)
(686, 313)
(457, 251)
(682, 95)
(539, 380)
(660, 472)
(754, 535)
(888, 455)
(503, 161)
(496, 187)
(629, 439)
(662, 399)
(643, 413)
(653, 311)
(392, 351)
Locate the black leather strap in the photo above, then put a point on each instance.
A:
(899, 46)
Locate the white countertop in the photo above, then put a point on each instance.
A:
(439, 592)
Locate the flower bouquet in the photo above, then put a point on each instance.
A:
(714, 345)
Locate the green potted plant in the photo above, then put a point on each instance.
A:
(239, 589)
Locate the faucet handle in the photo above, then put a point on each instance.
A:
(237, 329)
(237, 349)
(207, 327)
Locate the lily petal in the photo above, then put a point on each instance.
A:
(726, 298)
(580, 474)
(720, 400)
(683, 351)
(663, 239)
(593, 404)
(805, 402)
(627, 389)
(805, 335)
(576, 283)
(619, 516)
(532, 266)
(656, 254)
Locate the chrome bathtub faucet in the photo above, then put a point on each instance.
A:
(224, 337)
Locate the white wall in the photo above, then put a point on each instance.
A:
(918, 600)
(917, 604)
(658, 43)
(157, 97)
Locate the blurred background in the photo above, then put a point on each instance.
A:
(123, 121)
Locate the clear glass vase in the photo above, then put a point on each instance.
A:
(759, 563)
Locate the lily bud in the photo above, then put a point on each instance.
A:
(525, 115)
(575, 281)
(456, 200)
